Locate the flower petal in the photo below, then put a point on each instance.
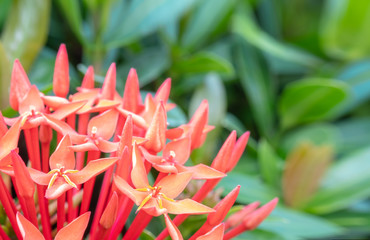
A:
(156, 133)
(39, 177)
(138, 120)
(106, 146)
(19, 85)
(217, 233)
(108, 89)
(131, 95)
(59, 187)
(67, 109)
(110, 213)
(180, 147)
(75, 230)
(32, 101)
(88, 80)
(186, 206)
(126, 189)
(25, 185)
(92, 169)
(63, 156)
(9, 141)
(202, 171)
(139, 175)
(28, 230)
(61, 73)
(172, 229)
(105, 124)
(84, 147)
(174, 184)
(163, 91)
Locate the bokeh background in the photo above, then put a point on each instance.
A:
(295, 73)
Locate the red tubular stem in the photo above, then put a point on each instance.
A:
(106, 185)
(3, 235)
(102, 199)
(33, 148)
(61, 211)
(89, 185)
(123, 213)
(45, 152)
(44, 212)
(199, 196)
(71, 209)
(140, 222)
(5, 201)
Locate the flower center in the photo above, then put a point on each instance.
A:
(61, 172)
(154, 192)
(170, 159)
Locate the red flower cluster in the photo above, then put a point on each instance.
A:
(94, 121)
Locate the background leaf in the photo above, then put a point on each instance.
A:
(311, 99)
(344, 28)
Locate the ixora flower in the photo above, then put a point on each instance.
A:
(124, 144)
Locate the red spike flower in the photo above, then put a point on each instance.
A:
(151, 171)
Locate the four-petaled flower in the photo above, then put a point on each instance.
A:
(63, 175)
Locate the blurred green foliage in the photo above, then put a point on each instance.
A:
(294, 73)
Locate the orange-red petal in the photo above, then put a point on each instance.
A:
(28, 230)
(75, 230)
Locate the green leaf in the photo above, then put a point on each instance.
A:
(345, 28)
(298, 225)
(203, 21)
(71, 10)
(4, 10)
(26, 30)
(354, 134)
(144, 17)
(214, 91)
(176, 117)
(311, 100)
(346, 183)
(146, 235)
(357, 76)
(257, 86)
(245, 26)
(253, 189)
(203, 62)
(270, 164)
(149, 64)
(231, 122)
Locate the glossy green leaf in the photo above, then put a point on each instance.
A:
(144, 17)
(311, 100)
(203, 62)
(346, 183)
(26, 30)
(4, 10)
(345, 28)
(214, 91)
(231, 122)
(203, 21)
(353, 134)
(357, 76)
(72, 12)
(257, 85)
(176, 117)
(150, 64)
(244, 25)
(298, 225)
(253, 189)
(270, 164)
